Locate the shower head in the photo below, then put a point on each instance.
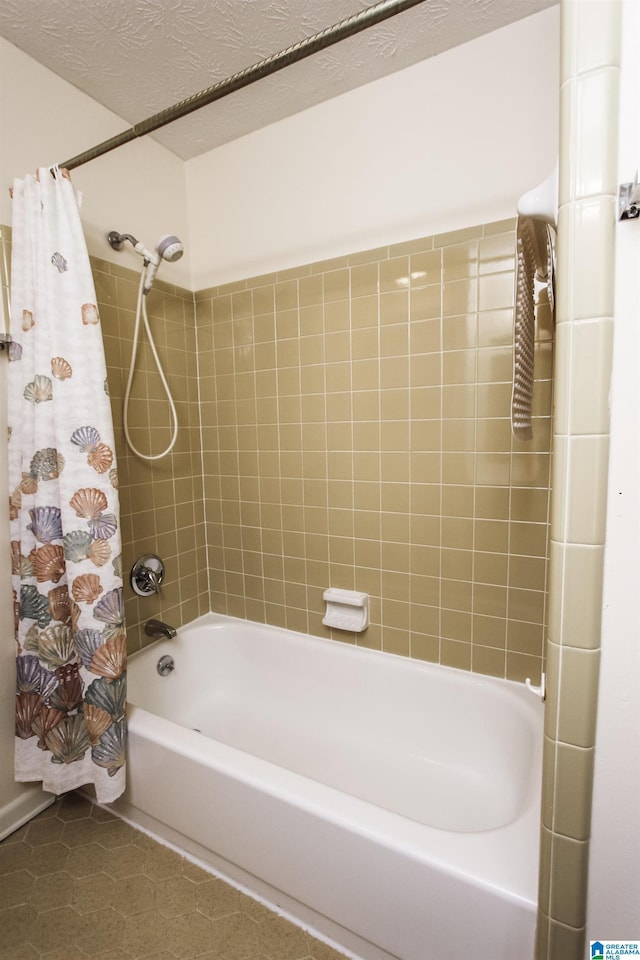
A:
(168, 248)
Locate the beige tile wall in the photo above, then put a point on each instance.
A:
(586, 240)
(356, 434)
(161, 502)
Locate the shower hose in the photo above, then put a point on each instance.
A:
(141, 315)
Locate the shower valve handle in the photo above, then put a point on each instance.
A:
(147, 575)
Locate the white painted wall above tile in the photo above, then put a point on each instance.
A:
(448, 142)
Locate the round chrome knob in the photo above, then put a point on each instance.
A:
(147, 575)
(165, 665)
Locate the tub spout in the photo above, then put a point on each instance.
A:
(158, 629)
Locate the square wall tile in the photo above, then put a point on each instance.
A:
(568, 884)
(591, 286)
(577, 684)
(584, 357)
(580, 473)
(575, 608)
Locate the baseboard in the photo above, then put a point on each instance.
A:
(23, 808)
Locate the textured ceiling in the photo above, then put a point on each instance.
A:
(137, 57)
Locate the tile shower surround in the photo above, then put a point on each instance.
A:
(356, 433)
(350, 426)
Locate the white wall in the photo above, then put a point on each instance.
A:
(139, 188)
(449, 142)
(614, 865)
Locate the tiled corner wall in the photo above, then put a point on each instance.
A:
(161, 502)
(356, 434)
(355, 429)
(586, 240)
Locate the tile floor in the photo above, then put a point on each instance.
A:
(77, 882)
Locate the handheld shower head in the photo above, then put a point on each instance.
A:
(168, 248)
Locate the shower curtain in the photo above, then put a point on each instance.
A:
(63, 505)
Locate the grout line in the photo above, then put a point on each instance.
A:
(201, 435)
(441, 471)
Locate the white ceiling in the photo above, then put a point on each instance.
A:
(137, 57)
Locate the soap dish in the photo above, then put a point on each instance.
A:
(346, 610)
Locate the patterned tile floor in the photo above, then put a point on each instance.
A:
(77, 882)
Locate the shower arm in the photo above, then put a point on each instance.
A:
(264, 68)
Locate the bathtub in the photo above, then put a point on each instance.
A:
(390, 805)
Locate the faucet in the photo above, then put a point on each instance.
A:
(158, 629)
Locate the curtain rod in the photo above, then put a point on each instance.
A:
(264, 68)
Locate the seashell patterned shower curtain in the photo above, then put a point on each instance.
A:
(63, 505)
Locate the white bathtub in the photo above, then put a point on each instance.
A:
(392, 805)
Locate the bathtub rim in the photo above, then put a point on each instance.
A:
(219, 620)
